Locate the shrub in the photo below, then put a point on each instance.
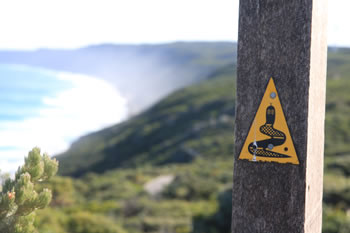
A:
(84, 222)
(18, 197)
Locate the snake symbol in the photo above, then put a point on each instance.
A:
(264, 148)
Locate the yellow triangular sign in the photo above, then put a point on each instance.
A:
(269, 139)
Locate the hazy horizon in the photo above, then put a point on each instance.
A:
(135, 44)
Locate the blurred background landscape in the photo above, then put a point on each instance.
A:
(137, 102)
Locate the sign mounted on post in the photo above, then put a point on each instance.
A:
(282, 190)
(269, 139)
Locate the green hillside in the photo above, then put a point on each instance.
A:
(194, 122)
(189, 122)
(189, 136)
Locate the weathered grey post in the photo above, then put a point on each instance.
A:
(281, 43)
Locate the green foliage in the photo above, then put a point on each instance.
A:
(19, 199)
(135, 210)
(51, 220)
(337, 144)
(335, 221)
(191, 186)
(63, 191)
(85, 222)
(220, 221)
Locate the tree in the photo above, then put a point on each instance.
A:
(19, 198)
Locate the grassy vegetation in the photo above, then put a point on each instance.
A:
(199, 198)
(188, 135)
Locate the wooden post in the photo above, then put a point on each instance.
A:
(282, 44)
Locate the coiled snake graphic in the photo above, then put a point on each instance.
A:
(264, 148)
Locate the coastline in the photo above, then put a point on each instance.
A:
(86, 105)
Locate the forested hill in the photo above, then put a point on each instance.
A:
(197, 121)
(142, 73)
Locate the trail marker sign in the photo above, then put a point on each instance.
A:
(279, 122)
(269, 139)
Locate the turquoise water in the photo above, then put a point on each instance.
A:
(51, 109)
(22, 90)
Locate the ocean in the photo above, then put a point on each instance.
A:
(50, 109)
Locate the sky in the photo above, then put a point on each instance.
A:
(75, 23)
